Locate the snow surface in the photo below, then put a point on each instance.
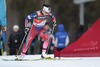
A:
(64, 62)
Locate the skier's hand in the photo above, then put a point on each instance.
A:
(26, 29)
(54, 24)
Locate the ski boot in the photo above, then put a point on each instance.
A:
(20, 57)
(45, 56)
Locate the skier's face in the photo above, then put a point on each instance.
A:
(46, 13)
(15, 30)
(46, 10)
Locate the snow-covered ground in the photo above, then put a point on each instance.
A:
(64, 62)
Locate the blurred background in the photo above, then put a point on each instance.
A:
(66, 12)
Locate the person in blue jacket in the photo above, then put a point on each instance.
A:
(3, 24)
(2, 42)
(3, 21)
(61, 38)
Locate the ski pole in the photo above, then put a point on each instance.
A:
(50, 39)
(21, 44)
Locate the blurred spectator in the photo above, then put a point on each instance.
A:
(80, 31)
(14, 40)
(2, 42)
(61, 38)
(3, 20)
(3, 25)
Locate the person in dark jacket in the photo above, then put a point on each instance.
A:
(14, 40)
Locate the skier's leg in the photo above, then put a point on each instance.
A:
(45, 37)
(30, 37)
(46, 42)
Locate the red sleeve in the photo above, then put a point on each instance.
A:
(53, 19)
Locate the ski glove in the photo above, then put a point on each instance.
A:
(54, 23)
(26, 29)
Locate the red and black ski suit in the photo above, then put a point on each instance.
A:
(37, 28)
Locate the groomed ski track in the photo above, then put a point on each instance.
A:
(64, 62)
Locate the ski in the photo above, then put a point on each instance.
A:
(4, 59)
(35, 59)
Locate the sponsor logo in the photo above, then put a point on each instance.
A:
(92, 45)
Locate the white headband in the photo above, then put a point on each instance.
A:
(47, 9)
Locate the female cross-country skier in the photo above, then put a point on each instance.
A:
(39, 19)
